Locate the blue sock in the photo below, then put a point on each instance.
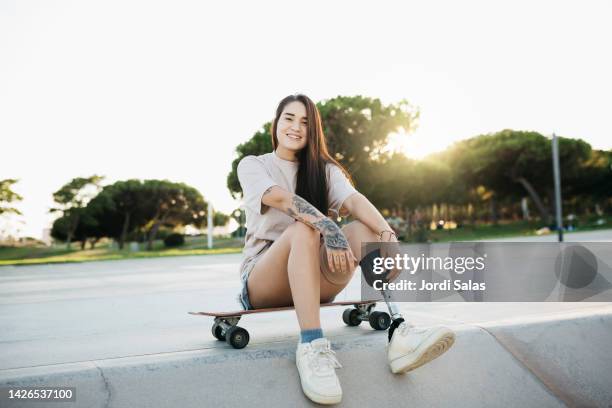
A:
(306, 336)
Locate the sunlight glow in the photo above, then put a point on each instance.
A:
(410, 144)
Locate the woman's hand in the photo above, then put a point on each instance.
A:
(340, 257)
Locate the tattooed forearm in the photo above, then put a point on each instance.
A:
(305, 212)
(299, 217)
(304, 206)
(332, 235)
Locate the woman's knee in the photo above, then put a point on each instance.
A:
(303, 234)
(356, 234)
(357, 228)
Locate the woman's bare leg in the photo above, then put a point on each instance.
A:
(293, 261)
(357, 233)
(289, 273)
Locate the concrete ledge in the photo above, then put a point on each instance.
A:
(542, 362)
(572, 357)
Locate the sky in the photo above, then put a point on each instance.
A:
(150, 89)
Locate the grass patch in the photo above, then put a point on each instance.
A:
(95, 255)
(59, 254)
(9, 253)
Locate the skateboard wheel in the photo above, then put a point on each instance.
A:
(217, 331)
(351, 317)
(237, 337)
(380, 320)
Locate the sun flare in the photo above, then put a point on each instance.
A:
(410, 144)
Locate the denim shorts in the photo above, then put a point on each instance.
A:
(247, 267)
(243, 296)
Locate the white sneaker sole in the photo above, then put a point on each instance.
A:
(433, 347)
(321, 399)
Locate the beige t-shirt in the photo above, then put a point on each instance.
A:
(264, 224)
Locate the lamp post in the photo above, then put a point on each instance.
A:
(557, 176)
(210, 225)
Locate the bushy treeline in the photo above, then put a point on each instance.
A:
(488, 177)
(127, 210)
(483, 178)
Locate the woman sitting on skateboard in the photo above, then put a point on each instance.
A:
(295, 255)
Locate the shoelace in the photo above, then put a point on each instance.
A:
(323, 359)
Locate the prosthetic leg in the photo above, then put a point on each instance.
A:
(367, 269)
(409, 349)
(396, 317)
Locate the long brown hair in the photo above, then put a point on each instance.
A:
(311, 178)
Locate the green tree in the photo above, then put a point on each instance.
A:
(132, 206)
(220, 219)
(72, 198)
(172, 204)
(512, 163)
(87, 229)
(120, 209)
(592, 183)
(8, 196)
(357, 128)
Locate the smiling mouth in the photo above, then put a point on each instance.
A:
(294, 137)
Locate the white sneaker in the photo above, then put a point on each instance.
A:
(316, 362)
(411, 347)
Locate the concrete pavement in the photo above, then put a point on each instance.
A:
(119, 331)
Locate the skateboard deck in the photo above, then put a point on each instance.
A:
(276, 309)
(225, 325)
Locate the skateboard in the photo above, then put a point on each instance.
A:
(225, 328)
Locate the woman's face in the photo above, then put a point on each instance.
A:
(292, 126)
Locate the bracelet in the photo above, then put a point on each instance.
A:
(380, 234)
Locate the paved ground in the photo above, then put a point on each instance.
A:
(136, 310)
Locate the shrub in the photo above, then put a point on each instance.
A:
(174, 240)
